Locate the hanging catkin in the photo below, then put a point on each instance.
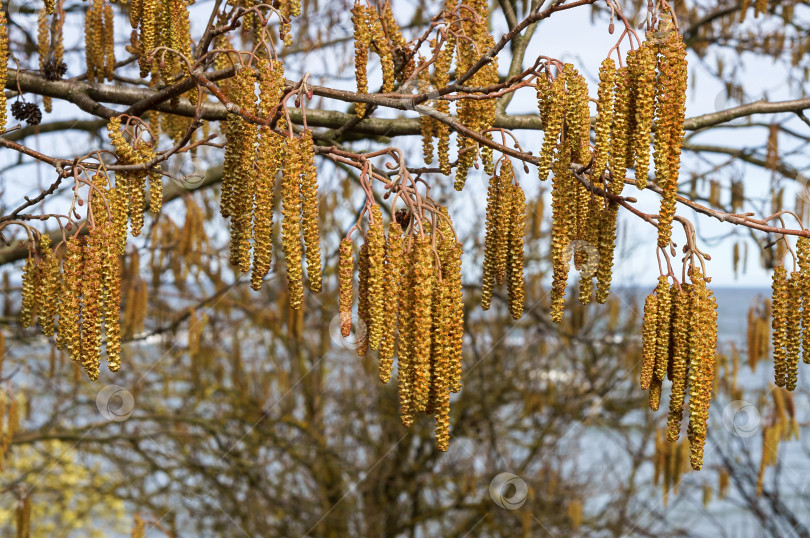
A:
(376, 276)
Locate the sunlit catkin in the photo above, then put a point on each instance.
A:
(644, 86)
(793, 330)
(393, 268)
(363, 318)
(803, 252)
(561, 230)
(29, 277)
(407, 331)
(604, 117)
(291, 223)
(376, 276)
(779, 315)
(424, 277)
(663, 328)
(514, 264)
(648, 340)
(310, 212)
(362, 37)
(681, 319)
(345, 278)
(551, 130)
(49, 288)
(620, 133)
(4, 50)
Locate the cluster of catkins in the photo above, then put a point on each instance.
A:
(254, 155)
(758, 332)
(51, 49)
(409, 305)
(790, 318)
(646, 95)
(503, 243)
(84, 295)
(99, 41)
(679, 336)
(670, 462)
(579, 218)
(379, 32)
(160, 23)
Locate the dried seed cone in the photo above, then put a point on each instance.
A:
(376, 276)
(604, 117)
(514, 266)
(345, 277)
(394, 259)
(644, 87)
(291, 223)
(649, 347)
(681, 325)
(49, 289)
(779, 313)
(793, 330)
(309, 195)
(423, 278)
(663, 328)
(554, 106)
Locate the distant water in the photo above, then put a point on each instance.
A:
(732, 311)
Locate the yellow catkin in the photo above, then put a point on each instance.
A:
(364, 320)
(4, 51)
(406, 345)
(553, 126)
(380, 44)
(29, 292)
(793, 330)
(111, 277)
(680, 325)
(92, 304)
(291, 223)
(561, 230)
(362, 37)
(441, 78)
(514, 266)
(655, 393)
(663, 328)
(643, 77)
(605, 244)
(70, 302)
(269, 157)
(44, 48)
(702, 344)
(345, 277)
(49, 290)
(376, 276)
(393, 268)
(803, 252)
(108, 36)
(649, 325)
(423, 276)
(242, 177)
(604, 117)
(779, 324)
(620, 132)
(505, 219)
(310, 213)
(493, 231)
(670, 108)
